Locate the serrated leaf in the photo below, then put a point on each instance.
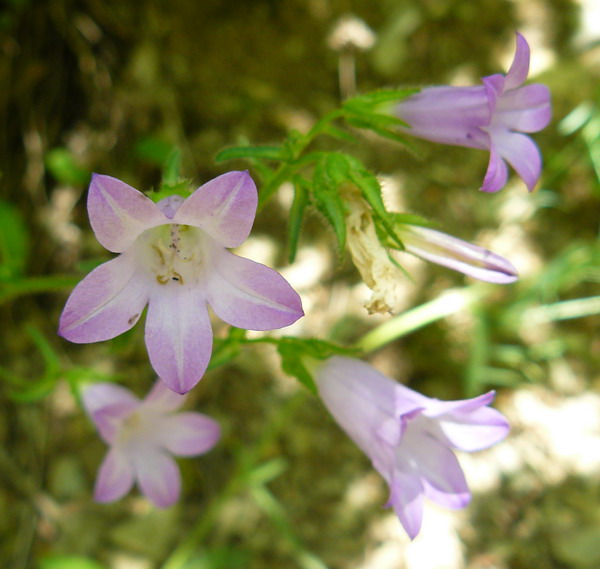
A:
(326, 181)
(292, 364)
(248, 152)
(295, 220)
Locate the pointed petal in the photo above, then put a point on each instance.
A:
(107, 405)
(527, 109)
(163, 399)
(188, 434)
(441, 474)
(115, 477)
(474, 431)
(497, 172)
(517, 74)
(119, 213)
(224, 207)
(106, 303)
(249, 295)
(178, 335)
(406, 497)
(521, 153)
(158, 476)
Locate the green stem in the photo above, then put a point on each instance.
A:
(447, 303)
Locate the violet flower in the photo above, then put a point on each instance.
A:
(491, 117)
(408, 437)
(142, 436)
(456, 254)
(174, 258)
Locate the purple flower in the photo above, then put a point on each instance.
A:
(174, 258)
(142, 435)
(456, 254)
(409, 437)
(491, 117)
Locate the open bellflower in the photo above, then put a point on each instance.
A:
(456, 254)
(174, 258)
(142, 436)
(492, 117)
(408, 437)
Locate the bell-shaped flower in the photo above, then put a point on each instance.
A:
(174, 258)
(408, 437)
(492, 117)
(142, 436)
(456, 254)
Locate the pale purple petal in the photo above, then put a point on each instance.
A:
(406, 497)
(526, 109)
(119, 213)
(188, 434)
(178, 335)
(170, 205)
(521, 153)
(224, 207)
(158, 476)
(497, 172)
(115, 477)
(163, 399)
(474, 431)
(249, 295)
(107, 405)
(517, 74)
(457, 254)
(106, 303)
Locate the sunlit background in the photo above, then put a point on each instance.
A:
(112, 87)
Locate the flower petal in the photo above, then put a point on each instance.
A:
(527, 109)
(406, 497)
(249, 295)
(107, 405)
(119, 213)
(178, 335)
(497, 172)
(158, 476)
(517, 74)
(163, 399)
(521, 153)
(115, 477)
(224, 207)
(188, 434)
(106, 303)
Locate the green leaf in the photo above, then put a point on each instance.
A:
(14, 242)
(154, 149)
(257, 152)
(226, 349)
(296, 217)
(69, 562)
(62, 165)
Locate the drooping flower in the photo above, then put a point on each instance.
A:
(408, 437)
(456, 254)
(492, 117)
(174, 257)
(142, 436)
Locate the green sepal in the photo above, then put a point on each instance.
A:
(276, 153)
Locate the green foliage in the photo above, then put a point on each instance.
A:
(64, 167)
(14, 242)
(69, 562)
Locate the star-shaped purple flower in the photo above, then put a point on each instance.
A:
(142, 436)
(174, 258)
(409, 437)
(492, 117)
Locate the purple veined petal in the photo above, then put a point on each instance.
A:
(178, 335)
(442, 477)
(526, 109)
(521, 153)
(158, 476)
(188, 434)
(517, 74)
(249, 295)
(224, 208)
(119, 213)
(106, 303)
(457, 254)
(115, 477)
(437, 407)
(493, 84)
(474, 431)
(406, 497)
(107, 404)
(497, 172)
(163, 399)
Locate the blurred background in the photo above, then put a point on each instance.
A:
(112, 87)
